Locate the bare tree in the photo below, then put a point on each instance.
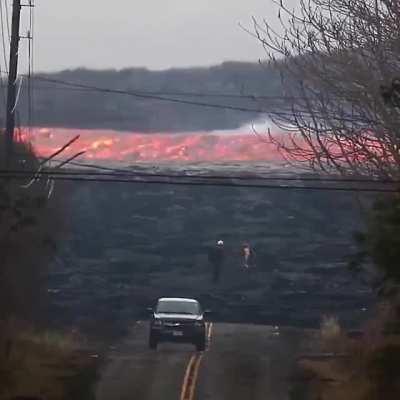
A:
(339, 60)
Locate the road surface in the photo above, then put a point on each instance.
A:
(242, 362)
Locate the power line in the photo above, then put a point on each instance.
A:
(163, 97)
(3, 35)
(114, 172)
(143, 95)
(147, 95)
(162, 93)
(165, 93)
(72, 178)
(254, 97)
(7, 19)
(12, 80)
(4, 95)
(30, 65)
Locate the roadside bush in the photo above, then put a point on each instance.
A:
(383, 369)
(47, 365)
(380, 243)
(30, 224)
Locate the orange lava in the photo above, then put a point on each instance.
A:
(129, 147)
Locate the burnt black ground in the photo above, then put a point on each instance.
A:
(125, 245)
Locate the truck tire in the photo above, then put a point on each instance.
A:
(201, 344)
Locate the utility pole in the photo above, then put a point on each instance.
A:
(12, 81)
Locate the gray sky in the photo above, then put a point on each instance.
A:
(154, 34)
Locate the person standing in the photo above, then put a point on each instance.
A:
(248, 257)
(216, 257)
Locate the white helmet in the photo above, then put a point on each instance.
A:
(220, 243)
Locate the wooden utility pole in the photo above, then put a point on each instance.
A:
(12, 81)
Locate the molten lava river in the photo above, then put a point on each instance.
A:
(134, 147)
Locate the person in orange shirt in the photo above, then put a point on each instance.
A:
(248, 256)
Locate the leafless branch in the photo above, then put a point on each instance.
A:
(339, 61)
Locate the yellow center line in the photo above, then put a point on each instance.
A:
(194, 378)
(186, 378)
(192, 371)
(210, 327)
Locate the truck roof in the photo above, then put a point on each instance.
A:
(182, 299)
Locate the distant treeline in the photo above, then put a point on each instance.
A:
(59, 105)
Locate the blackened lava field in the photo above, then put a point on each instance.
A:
(127, 244)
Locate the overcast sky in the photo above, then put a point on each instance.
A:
(152, 33)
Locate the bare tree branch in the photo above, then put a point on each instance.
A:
(340, 66)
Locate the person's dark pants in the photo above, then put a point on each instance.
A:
(216, 272)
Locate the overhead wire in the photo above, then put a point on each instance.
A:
(143, 95)
(30, 66)
(4, 51)
(149, 96)
(4, 95)
(109, 171)
(123, 173)
(64, 86)
(18, 94)
(7, 20)
(178, 93)
(3, 36)
(71, 178)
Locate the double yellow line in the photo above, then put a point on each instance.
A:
(192, 371)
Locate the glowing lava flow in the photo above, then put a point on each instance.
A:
(128, 147)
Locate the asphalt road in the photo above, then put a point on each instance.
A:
(242, 362)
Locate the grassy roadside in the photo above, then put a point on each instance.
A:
(353, 365)
(48, 365)
(34, 364)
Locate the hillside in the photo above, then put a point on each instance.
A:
(60, 105)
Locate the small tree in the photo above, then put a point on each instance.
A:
(338, 60)
(381, 243)
(30, 223)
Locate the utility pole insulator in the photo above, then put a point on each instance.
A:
(12, 82)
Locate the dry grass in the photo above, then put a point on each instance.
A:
(332, 336)
(365, 369)
(30, 224)
(47, 365)
(330, 327)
